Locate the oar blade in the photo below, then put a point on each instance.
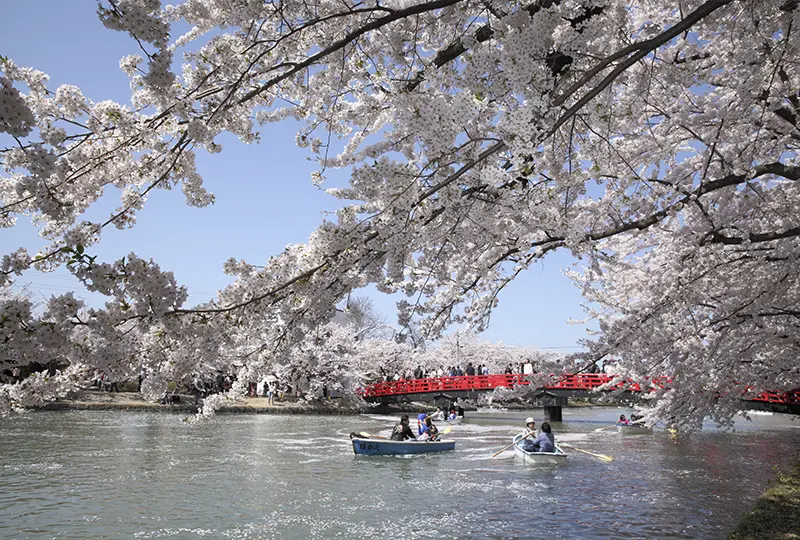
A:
(601, 457)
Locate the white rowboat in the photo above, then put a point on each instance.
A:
(634, 430)
(559, 457)
(456, 421)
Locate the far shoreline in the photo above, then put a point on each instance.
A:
(95, 400)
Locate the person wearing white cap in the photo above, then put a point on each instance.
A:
(530, 428)
(528, 434)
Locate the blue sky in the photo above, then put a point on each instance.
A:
(264, 196)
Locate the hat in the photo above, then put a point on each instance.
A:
(530, 420)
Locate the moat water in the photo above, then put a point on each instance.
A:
(108, 474)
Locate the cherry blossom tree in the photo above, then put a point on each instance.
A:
(656, 141)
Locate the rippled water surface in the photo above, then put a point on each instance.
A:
(93, 475)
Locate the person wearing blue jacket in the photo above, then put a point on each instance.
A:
(421, 421)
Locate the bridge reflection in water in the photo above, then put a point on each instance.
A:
(551, 396)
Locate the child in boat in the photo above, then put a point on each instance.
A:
(402, 431)
(545, 442)
(452, 415)
(623, 421)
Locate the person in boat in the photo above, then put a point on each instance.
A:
(623, 421)
(452, 415)
(402, 431)
(421, 421)
(530, 427)
(438, 415)
(429, 431)
(528, 434)
(545, 442)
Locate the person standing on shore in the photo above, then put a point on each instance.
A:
(272, 382)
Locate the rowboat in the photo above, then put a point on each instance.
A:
(634, 430)
(388, 447)
(559, 457)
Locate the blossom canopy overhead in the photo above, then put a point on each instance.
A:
(657, 141)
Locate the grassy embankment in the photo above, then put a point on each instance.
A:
(777, 513)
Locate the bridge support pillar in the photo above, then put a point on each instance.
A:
(552, 413)
(552, 404)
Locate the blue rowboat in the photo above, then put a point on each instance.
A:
(388, 447)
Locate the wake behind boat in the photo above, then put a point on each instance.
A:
(559, 457)
(387, 447)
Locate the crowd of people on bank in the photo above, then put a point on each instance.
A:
(420, 372)
(201, 387)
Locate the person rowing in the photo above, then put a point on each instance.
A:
(623, 421)
(402, 431)
(438, 415)
(530, 427)
(545, 442)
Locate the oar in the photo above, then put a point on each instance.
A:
(601, 457)
(366, 435)
(445, 431)
(605, 428)
(670, 430)
(512, 444)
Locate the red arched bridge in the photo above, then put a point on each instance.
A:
(552, 396)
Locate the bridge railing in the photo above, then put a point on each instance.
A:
(443, 384)
(567, 381)
(787, 398)
(582, 381)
